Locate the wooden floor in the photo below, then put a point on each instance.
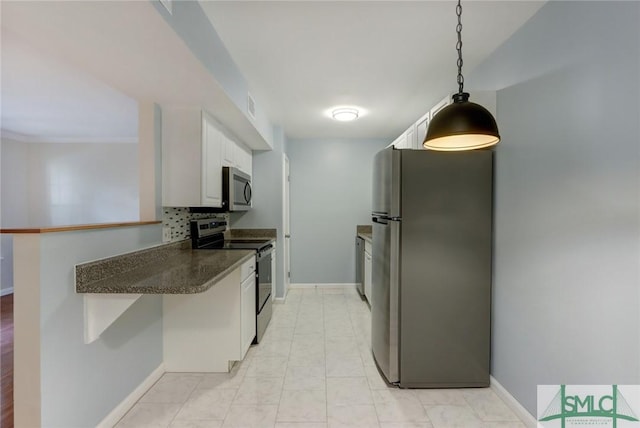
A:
(6, 360)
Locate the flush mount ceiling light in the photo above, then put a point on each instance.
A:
(344, 114)
(462, 125)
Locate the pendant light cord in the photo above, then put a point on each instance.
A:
(459, 47)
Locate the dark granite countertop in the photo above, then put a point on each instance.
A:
(366, 236)
(365, 232)
(168, 269)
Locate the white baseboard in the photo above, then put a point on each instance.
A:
(323, 286)
(517, 408)
(121, 409)
(6, 291)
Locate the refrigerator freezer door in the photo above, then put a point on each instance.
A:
(385, 297)
(386, 183)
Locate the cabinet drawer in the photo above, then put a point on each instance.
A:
(247, 268)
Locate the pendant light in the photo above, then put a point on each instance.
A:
(462, 125)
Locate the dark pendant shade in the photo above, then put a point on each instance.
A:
(462, 125)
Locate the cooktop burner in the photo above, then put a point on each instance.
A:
(208, 234)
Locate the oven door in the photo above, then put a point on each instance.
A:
(263, 298)
(264, 278)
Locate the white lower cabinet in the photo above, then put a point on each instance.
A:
(367, 271)
(206, 332)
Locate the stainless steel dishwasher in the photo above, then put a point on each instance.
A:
(360, 265)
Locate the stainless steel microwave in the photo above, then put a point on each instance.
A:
(236, 189)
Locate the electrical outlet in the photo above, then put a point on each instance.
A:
(166, 234)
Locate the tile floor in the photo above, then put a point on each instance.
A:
(313, 369)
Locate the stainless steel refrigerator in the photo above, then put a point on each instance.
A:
(432, 245)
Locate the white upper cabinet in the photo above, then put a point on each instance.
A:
(191, 158)
(440, 105)
(243, 158)
(405, 141)
(237, 155)
(421, 129)
(410, 137)
(400, 142)
(211, 165)
(228, 151)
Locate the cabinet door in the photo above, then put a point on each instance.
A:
(410, 137)
(248, 318)
(367, 276)
(243, 158)
(211, 165)
(421, 129)
(401, 142)
(228, 152)
(442, 104)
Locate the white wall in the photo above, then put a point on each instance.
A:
(53, 184)
(567, 203)
(49, 184)
(330, 194)
(14, 202)
(190, 22)
(80, 384)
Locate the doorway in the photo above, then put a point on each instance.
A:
(286, 225)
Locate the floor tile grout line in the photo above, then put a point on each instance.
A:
(333, 305)
(366, 377)
(326, 384)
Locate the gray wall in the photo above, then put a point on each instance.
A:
(567, 248)
(330, 195)
(267, 181)
(54, 184)
(82, 383)
(45, 184)
(190, 22)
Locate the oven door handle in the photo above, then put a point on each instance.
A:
(265, 251)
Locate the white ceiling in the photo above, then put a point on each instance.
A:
(44, 99)
(73, 67)
(73, 70)
(394, 59)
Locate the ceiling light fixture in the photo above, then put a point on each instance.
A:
(462, 125)
(344, 114)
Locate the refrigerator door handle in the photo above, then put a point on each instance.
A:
(385, 219)
(379, 220)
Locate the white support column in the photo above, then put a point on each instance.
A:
(26, 313)
(150, 160)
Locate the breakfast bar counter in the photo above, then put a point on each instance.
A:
(165, 269)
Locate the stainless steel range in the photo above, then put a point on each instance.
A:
(207, 234)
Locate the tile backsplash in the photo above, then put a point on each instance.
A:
(178, 218)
